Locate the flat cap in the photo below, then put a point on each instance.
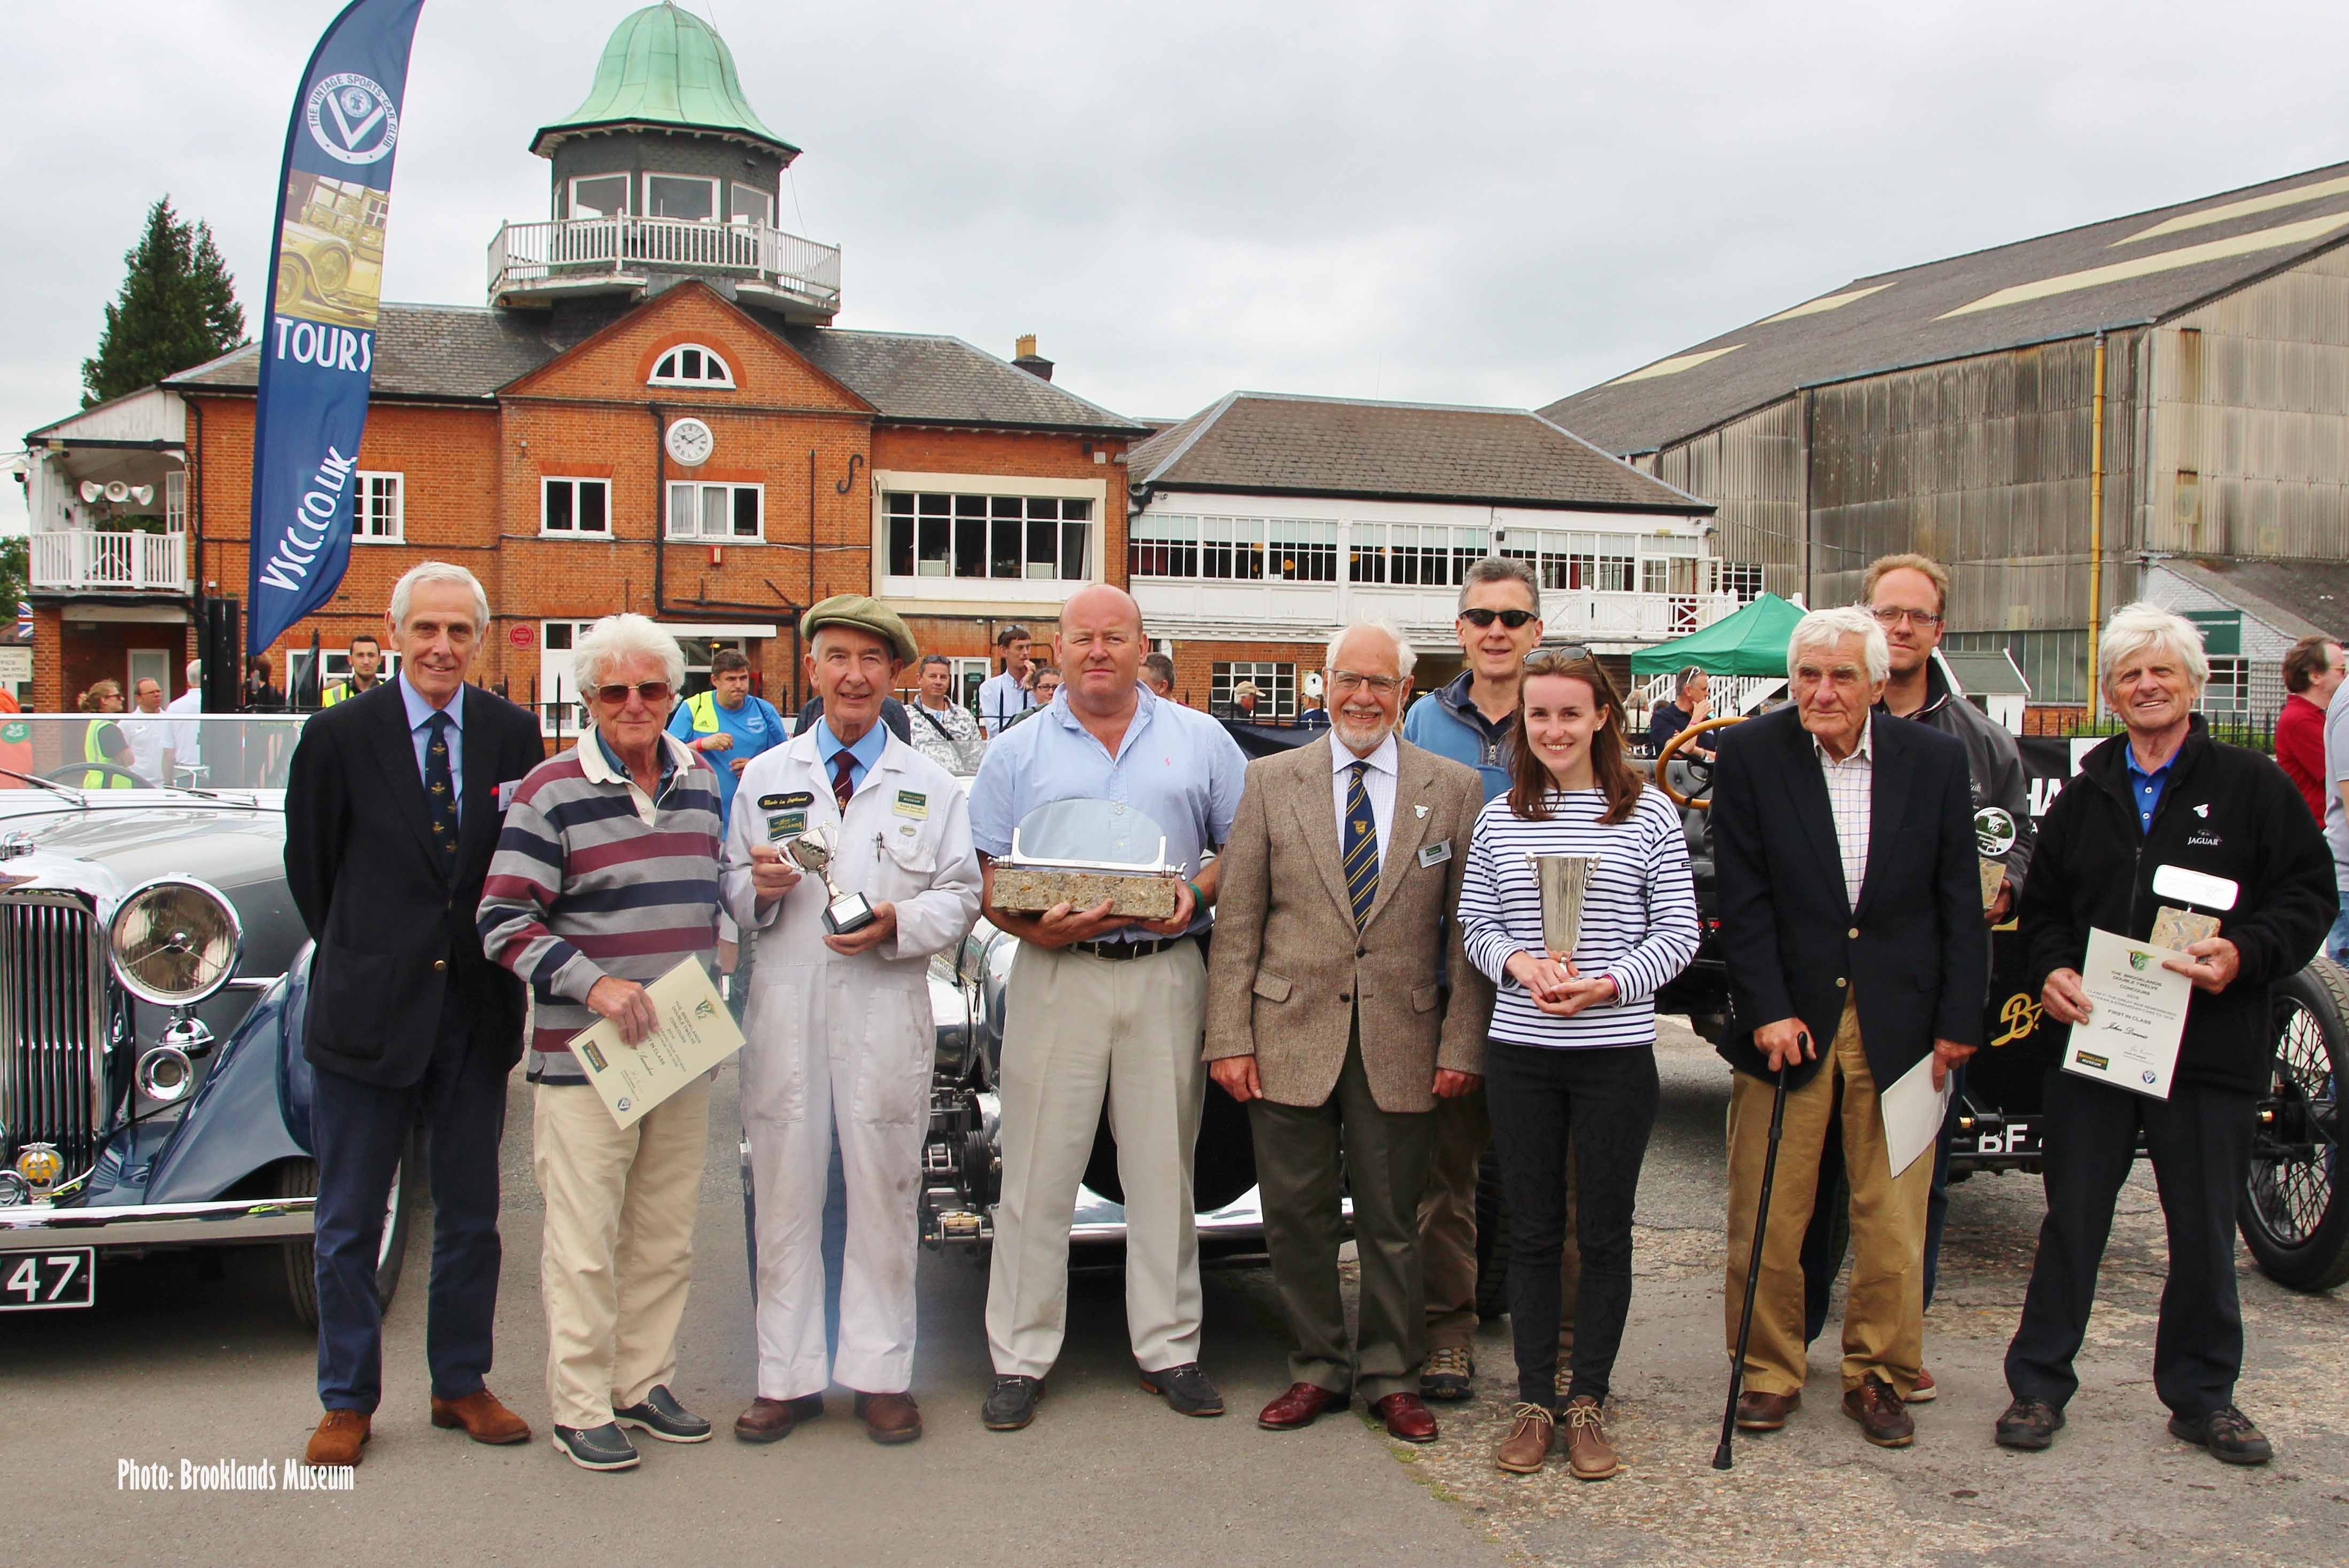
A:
(867, 614)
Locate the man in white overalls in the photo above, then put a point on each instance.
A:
(839, 1029)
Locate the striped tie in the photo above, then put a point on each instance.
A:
(1361, 846)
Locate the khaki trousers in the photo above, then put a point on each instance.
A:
(1078, 1030)
(1447, 1231)
(618, 1254)
(1884, 1316)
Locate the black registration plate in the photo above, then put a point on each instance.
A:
(39, 1281)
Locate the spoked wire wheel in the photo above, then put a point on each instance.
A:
(2294, 1213)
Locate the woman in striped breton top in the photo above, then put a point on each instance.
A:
(1571, 1060)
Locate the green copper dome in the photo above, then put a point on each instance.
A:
(665, 66)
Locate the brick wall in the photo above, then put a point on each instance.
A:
(1194, 663)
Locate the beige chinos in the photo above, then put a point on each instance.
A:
(1079, 1029)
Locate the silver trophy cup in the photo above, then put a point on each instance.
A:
(1564, 880)
(843, 912)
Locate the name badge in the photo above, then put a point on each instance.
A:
(912, 804)
(781, 825)
(787, 801)
(2195, 887)
(1435, 854)
(507, 791)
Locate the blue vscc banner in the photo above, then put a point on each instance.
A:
(317, 342)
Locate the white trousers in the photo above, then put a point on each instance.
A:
(1078, 1029)
(831, 1045)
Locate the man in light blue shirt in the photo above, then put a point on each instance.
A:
(1101, 1007)
(1004, 697)
(2336, 819)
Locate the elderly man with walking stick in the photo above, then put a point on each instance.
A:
(1851, 927)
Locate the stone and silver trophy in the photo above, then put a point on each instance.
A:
(1564, 881)
(1994, 837)
(1083, 851)
(843, 912)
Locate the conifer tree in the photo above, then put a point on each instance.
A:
(177, 309)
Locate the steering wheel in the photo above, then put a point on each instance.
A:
(67, 774)
(1702, 769)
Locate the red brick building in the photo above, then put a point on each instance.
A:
(652, 413)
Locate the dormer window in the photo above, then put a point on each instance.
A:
(690, 364)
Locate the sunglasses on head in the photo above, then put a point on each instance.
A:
(649, 692)
(1512, 619)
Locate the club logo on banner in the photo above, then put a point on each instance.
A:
(326, 292)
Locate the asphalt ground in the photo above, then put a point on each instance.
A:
(192, 1360)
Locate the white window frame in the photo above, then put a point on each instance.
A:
(1274, 680)
(987, 501)
(554, 671)
(699, 534)
(337, 665)
(371, 483)
(711, 180)
(575, 531)
(710, 358)
(735, 189)
(2229, 690)
(571, 194)
(1741, 579)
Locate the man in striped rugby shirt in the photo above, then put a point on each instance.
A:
(606, 877)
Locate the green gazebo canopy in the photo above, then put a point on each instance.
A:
(1753, 642)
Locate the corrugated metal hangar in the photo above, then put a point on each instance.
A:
(2173, 384)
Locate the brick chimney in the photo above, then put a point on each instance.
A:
(1024, 356)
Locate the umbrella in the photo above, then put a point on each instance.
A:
(1753, 642)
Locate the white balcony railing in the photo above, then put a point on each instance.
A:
(579, 252)
(84, 559)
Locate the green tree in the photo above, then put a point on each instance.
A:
(14, 554)
(177, 309)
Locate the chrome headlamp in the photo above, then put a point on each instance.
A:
(174, 941)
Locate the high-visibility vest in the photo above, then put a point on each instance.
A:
(704, 709)
(340, 691)
(91, 752)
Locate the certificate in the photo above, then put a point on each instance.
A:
(695, 1034)
(1913, 1112)
(2137, 1016)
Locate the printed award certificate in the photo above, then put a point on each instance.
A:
(2135, 1018)
(695, 1034)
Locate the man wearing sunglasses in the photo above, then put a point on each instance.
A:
(1474, 720)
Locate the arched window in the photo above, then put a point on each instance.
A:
(691, 365)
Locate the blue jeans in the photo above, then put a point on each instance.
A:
(2336, 940)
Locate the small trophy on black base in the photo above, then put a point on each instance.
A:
(1563, 880)
(1995, 835)
(843, 912)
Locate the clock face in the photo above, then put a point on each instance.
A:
(690, 442)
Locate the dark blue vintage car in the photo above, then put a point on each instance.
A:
(153, 985)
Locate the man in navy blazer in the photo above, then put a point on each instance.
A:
(1851, 929)
(392, 811)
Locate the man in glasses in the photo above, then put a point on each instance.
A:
(1474, 720)
(1907, 595)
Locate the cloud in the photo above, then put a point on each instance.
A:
(1479, 202)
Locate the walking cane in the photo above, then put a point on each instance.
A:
(1721, 1460)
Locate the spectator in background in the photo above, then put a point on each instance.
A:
(102, 738)
(1158, 674)
(366, 655)
(729, 727)
(147, 729)
(1043, 681)
(182, 745)
(1245, 698)
(2311, 674)
(1004, 695)
(947, 733)
(1694, 704)
(260, 696)
(1315, 715)
(2337, 818)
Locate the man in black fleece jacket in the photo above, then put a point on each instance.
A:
(2164, 794)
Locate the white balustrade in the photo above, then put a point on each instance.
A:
(75, 559)
(525, 254)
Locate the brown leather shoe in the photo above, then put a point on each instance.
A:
(1297, 1407)
(1407, 1420)
(1922, 1392)
(1883, 1420)
(1588, 1454)
(1531, 1426)
(340, 1435)
(484, 1420)
(1760, 1412)
(771, 1420)
(890, 1417)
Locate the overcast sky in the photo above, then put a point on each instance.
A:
(1468, 203)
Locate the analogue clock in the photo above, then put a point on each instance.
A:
(690, 442)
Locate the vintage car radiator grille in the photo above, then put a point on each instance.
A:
(53, 1009)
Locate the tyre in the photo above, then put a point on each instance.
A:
(292, 284)
(1492, 1240)
(2294, 1213)
(299, 1179)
